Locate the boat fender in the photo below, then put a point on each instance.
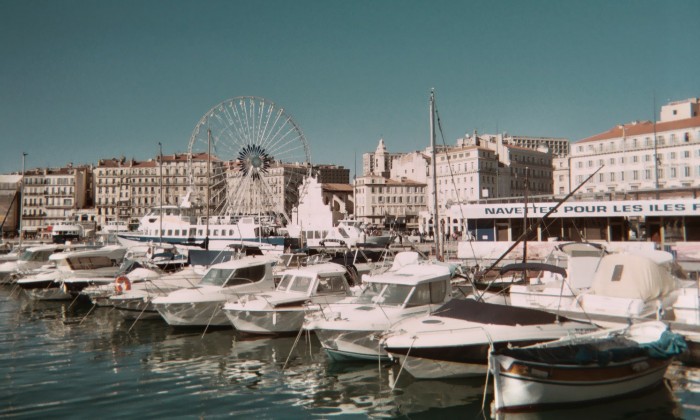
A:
(122, 284)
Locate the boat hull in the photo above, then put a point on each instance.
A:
(352, 345)
(266, 322)
(193, 314)
(521, 385)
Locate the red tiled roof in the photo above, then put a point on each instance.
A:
(330, 187)
(643, 127)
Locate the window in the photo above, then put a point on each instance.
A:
(617, 273)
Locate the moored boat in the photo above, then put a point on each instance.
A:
(200, 305)
(282, 311)
(581, 369)
(74, 271)
(179, 225)
(351, 328)
(454, 341)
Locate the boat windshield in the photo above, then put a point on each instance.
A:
(216, 276)
(284, 283)
(36, 255)
(386, 294)
(228, 277)
(295, 283)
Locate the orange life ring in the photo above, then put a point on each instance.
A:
(122, 280)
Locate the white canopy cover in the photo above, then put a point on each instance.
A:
(632, 276)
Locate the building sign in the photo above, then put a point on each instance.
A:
(628, 208)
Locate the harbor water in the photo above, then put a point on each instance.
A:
(72, 361)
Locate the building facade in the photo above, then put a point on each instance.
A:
(53, 195)
(10, 186)
(642, 155)
(379, 200)
(126, 190)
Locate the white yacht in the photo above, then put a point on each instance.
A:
(181, 226)
(454, 340)
(30, 259)
(351, 328)
(115, 226)
(200, 305)
(282, 311)
(73, 271)
(352, 233)
(66, 231)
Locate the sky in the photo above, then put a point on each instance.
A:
(82, 80)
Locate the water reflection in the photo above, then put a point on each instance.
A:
(61, 359)
(658, 403)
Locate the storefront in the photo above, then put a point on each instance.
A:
(663, 221)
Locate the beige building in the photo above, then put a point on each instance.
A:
(53, 195)
(378, 199)
(642, 155)
(126, 190)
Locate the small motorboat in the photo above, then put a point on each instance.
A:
(282, 311)
(580, 369)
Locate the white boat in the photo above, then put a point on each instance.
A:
(350, 329)
(131, 274)
(30, 259)
(582, 369)
(454, 340)
(66, 231)
(8, 252)
(200, 305)
(611, 289)
(352, 233)
(282, 311)
(115, 226)
(179, 225)
(74, 270)
(135, 301)
(685, 319)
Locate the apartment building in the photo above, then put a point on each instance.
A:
(52, 195)
(378, 199)
(127, 189)
(642, 155)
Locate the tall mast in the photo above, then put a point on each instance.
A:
(436, 224)
(160, 164)
(21, 207)
(527, 188)
(206, 238)
(656, 156)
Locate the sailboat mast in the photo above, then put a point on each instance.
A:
(160, 162)
(527, 188)
(436, 225)
(206, 238)
(21, 200)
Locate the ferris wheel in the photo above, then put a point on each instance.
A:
(256, 158)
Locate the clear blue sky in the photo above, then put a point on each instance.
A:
(87, 79)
